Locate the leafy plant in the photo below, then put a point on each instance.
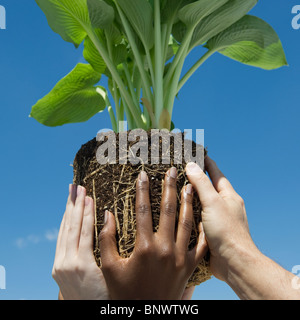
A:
(141, 47)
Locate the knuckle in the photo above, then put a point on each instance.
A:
(240, 200)
(166, 253)
(170, 183)
(169, 208)
(55, 273)
(84, 233)
(186, 224)
(143, 209)
(188, 198)
(181, 262)
(69, 228)
(145, 249)
(142, 186)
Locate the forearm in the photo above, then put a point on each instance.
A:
(60, 296)
(253, 276)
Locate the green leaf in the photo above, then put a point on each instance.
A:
(220, 20)
(68, 18)
(251, 41)
(91, 54)
(194, 12)
(74, 99)
(170, 9)
(101, 14)
(140, 15)
(114, 34)
(179, 31)
(119, 54)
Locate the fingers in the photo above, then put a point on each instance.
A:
(144, 226)
(63, 231)
(86, 242)
(198, 253)
(75, 222)
(168, 206)
(221, 184)
(186, 218)
(107, 241)
(200, 181)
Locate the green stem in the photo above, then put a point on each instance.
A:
(115, 74)
(135, 52)
(181, 53)
(194, 68)
(173, 86)
(130, 86)
(158, 88)
(115, 96)
(165, 41)
(148, 56)
(130, 120)
(111, 114)
(112, 118)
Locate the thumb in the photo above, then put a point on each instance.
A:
(200, 181)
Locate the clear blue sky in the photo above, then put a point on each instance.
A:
(251, 122)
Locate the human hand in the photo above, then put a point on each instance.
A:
(161, 263)
(75, 269)
(224, 217)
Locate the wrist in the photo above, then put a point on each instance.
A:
(240, 257)
(246, 268)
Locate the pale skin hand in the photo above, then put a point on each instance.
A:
(234, 256)
(161, 263)
(75, 269)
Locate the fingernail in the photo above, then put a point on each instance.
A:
(192, 168)
(80, 190)
(106, 216)
(189, 189)
(173, 173)
(143, 176)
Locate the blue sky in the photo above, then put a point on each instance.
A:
(251, 122)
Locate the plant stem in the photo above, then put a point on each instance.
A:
(117, 106)
(115, 74)
(136, 53)
(111, 114)
(130, 86)
(158, 88)
(112, 118)
(181, 53)
(148, 56)
(172, 84)
(194, 68)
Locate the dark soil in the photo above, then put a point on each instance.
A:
(112, 186)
